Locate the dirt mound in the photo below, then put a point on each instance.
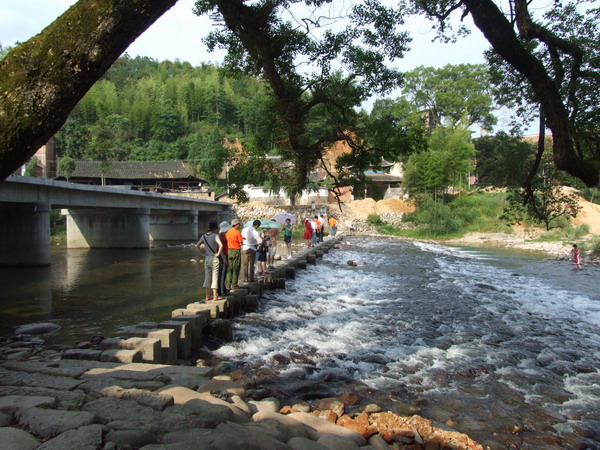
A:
(588, 215)
(363, 208)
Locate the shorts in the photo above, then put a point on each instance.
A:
(287, 239)
(272, 251)
(262, 257)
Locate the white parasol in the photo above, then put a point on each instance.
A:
(281, 217)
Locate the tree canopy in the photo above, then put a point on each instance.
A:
(556, 55)
(551, 56)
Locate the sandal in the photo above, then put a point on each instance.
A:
(218, 298)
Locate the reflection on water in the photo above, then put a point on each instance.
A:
(90, 292)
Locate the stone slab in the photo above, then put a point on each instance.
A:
(15, 439)
(88, 437)
(16, 378)
(50, 422)
(182, 375)
(318, 427)
(77, 353)
(12, 404)
(121, 356)
(44, 368)
(66, 399)
(184, 338)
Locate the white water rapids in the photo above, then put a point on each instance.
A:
(480, 339)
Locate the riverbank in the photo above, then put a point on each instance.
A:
(49, 401)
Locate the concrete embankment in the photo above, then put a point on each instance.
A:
(139, 391)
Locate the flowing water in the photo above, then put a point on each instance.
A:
(500, 345)
(479, 339)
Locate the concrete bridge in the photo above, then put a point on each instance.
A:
(97, 217)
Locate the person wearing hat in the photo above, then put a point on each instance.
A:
(223, 263)
(211, 245)
(234, 254)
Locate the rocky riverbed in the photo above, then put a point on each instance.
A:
(51, 403)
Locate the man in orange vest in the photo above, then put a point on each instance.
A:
(333, 226)
(234, 248)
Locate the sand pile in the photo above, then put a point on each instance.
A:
(589, 213)
(363, 208)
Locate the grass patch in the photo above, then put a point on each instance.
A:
(568, 233)
(435, 219)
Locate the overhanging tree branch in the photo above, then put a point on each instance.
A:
(42, 79)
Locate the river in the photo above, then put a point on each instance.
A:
(501, 345)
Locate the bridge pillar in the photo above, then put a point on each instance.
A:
(174, 225)
(24, 234)
(107, 227)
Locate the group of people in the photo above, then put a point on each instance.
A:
(230, 254)
(314, 229)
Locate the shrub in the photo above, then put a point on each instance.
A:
(595, 247)
(566, 233)
(374, 219)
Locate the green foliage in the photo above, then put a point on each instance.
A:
(595, 247)
(591, 195)
(455, 95)
(374, 219)
(503, 160)
(30, 168)
(58, 223)
(437, 219)
(207, 156)
(66, 166)
(548, 206)
(567, 233)
(450, 157)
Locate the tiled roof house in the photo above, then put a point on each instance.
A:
(143, 175)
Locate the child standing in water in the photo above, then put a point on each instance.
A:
(576, 257)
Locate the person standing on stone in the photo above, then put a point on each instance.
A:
(322, 222)
(315, 230)
(223, 259)
(249, 247)
(211, 246)
(333, 226)
(234, 250)
(288, 231)
(274, 233)
(263, 250)
(308, 232)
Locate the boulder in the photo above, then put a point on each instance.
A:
(298, 428)
(271, 428)
(202, 438)
(88, 437)
(15, 439)
(182, 395)
(130, 438)
(37, 328)
(298, 443)
(318, 427)
(332, 442)
(50, 422)
(114, 409)
(221, 386)
(263, 406)
(12, 404)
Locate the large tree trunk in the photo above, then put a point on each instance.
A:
(499, 32)
(42, 79)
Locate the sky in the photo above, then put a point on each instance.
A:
(178, 35)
